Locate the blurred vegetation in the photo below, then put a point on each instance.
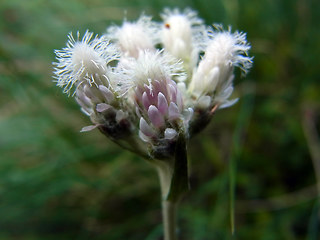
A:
(58, 183)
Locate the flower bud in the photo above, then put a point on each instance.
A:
(157, 99)
(84, 61)
(134, 37)
(214, 75)
(84, 64)
(183, 35)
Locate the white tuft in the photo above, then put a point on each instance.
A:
(82, 60)
(229, 48)
(134, 37)
(214, 75)
(148, 67)
(183, 34)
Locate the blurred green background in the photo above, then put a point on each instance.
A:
(58, 183)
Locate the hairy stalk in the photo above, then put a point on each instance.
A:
(165, 172)
(169, 219)
(174, 182)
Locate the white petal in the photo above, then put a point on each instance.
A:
(188, 114)
(88, 128)
(162, 104)
(229, 103)
(155, 116)
(90, 94)
(82, 99)
(145, 128)
(204, 102)
(182, 87)
(143, 137)
(86, 111)
(173, 92)
(120, 115)
(173, 111)
(212, 80)
(108, 95)
(225, 94)
(101, 107)
(138, 112)
(145, 100)
(179, 100)
(170, 133)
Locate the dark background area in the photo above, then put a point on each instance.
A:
(58, 183)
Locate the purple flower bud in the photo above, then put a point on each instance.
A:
(101, 107)
(145, 128)
(145, 100)
(162, 104)
(155, 117)
(173, 111)
(170, 133)
(108, 95)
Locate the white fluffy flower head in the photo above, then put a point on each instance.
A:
(183, 34)
(134, 37)
(82, 59)
(148, 66)
(214, 75)
(225, 47)
(165, 81)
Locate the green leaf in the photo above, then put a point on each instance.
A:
(180, 179)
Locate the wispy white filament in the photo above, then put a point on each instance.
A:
(214, 74)
(148, 66)
(183, 34)
(134, 37)
(82, 60)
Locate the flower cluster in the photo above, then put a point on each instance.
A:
(145, 83)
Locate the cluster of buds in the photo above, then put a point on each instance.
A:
(146, 85)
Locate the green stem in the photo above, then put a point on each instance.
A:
(174, 182)
(165, 172)
(169, 219)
